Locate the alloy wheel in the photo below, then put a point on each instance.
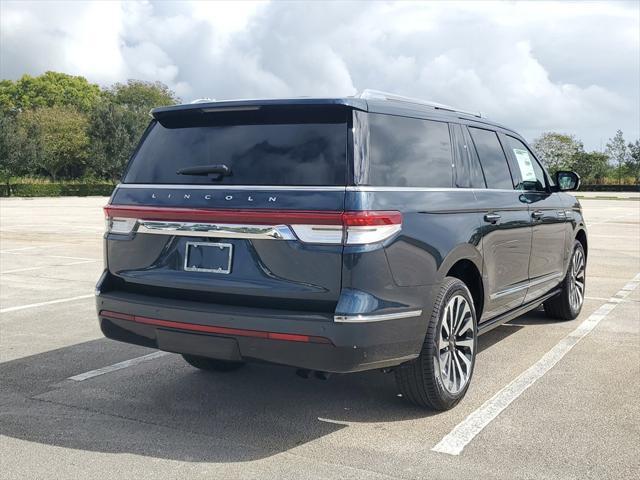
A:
(577, 280)
(456, 346)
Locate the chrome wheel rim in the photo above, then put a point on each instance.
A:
(576, 283)
(456, 346)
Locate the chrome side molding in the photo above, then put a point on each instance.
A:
(219, 230)
(525, 285)
(375, 318)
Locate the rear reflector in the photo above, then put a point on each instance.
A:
(234, 332)
(322, 227)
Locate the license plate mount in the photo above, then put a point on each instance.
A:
(208, 257)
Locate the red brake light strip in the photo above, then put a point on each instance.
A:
(234, 332)
(266, 217)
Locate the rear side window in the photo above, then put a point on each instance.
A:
(494, 163)
(259, 150)
(468, 172)
(409, 152)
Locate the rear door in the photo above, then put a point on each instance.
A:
(506, 235)
(548, 217)
(235, 206)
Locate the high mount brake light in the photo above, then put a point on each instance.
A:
(322, 227)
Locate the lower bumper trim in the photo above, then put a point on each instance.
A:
(375, 318)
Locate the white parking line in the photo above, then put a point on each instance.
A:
(455, 441)
(42, 304)
(21, 249)
(611, 299)
(117, 366)
(28, 269)
(44, 255)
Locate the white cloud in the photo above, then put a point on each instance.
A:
(572, 67)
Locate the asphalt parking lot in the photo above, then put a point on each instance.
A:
(556, 400)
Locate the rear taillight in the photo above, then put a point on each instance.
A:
(353, 228)
(348, 228)
(370, 226)
(121, 226)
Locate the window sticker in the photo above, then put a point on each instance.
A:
(526, 167)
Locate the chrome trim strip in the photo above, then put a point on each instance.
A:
(220, 230)
(518, 288)
(366, 188)
(375, 318)
(371, 188)
(268, 188)
(317, 188)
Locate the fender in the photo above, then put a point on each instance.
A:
(465, 251)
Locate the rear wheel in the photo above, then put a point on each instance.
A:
(440, 376)
(568, 303)
(211, 364)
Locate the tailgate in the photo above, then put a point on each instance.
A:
(234, 208)
(268, 264)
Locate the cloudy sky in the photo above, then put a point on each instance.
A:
(569, 67)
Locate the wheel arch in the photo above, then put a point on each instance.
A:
(581, 236)
(465, 264)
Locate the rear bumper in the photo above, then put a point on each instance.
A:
(300, 339)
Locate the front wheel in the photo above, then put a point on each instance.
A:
(568, 303)
(440, 376)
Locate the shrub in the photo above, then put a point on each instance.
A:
(56, 189)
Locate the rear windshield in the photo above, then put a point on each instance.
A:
(259, 149)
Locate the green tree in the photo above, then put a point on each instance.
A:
(54, 140)
(556, 150)
(119, 120)
(617, 152)
(633, 160)
(140, 96)
(7, 96)
(592, 167)
(48, 90)
(11, 160)
(114, 131)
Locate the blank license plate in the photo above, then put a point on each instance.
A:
(208, 257)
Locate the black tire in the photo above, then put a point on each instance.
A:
(211, 364)
(561, 307)
(421, 380)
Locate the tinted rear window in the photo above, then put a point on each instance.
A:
(258, 149)
(468, 172)
(494, 163)
(409, 152)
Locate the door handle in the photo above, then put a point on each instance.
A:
(492, 217)
(538, 214)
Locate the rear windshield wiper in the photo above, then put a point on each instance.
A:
(216, 171)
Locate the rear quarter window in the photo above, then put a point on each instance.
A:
(468, 173)
(409, 152)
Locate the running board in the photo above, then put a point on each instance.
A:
(505, 317)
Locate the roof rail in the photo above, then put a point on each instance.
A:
(203, 100)
(379, 95)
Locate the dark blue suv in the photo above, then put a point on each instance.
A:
(336, 235)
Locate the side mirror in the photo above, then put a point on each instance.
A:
(566, 180)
